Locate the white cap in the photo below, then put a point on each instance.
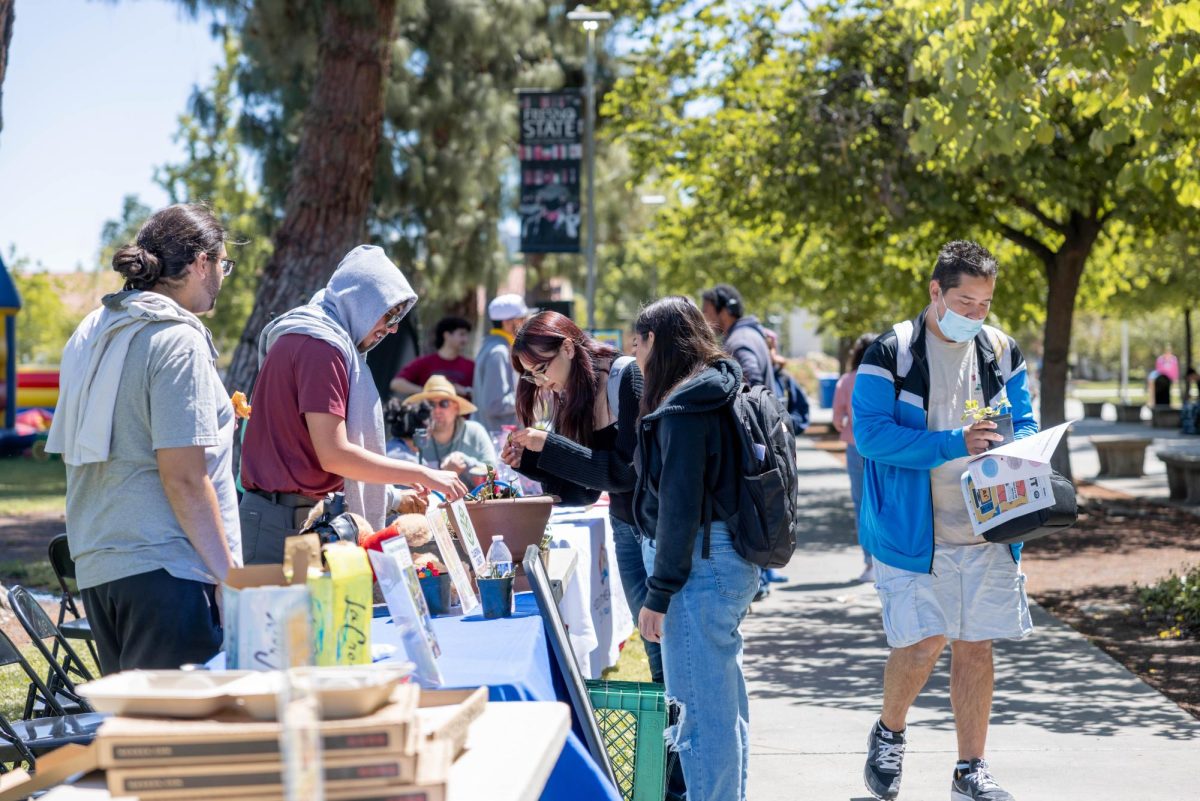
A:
(508, 307)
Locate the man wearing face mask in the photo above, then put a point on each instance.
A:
(317, 424)
(938, 582)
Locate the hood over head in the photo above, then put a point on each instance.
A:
(363, 287)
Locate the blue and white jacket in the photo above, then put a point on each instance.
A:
(891, 403)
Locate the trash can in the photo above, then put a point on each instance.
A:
(828, 382)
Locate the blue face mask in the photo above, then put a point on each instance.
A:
(956, 327)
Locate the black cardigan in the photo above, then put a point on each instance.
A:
(578, 474)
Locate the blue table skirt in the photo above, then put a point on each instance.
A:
(510, 657)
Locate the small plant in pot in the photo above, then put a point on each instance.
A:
(973, 412)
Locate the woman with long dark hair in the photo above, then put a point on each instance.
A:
(699, 587)
(593, 428)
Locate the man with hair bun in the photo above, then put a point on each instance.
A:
(145, 428)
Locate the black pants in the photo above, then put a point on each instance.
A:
(266, 524)
(153, 621)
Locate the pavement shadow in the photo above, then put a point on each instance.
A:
(826, 520)
(833, 655)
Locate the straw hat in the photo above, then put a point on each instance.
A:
(437, 388)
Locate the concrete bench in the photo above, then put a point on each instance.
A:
(1183, 473)
(1121, 457)
(1129, 412)
(1165, 417)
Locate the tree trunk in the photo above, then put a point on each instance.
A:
(8, 15)
(1187, 354)
(330, 191)
(1063, 284)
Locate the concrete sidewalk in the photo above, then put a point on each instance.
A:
(1067, 723)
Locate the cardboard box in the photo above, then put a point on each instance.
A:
(447, 715)
(215, 780)
(236, 738)
(52, 768)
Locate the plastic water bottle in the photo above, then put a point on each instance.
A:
(499, 557)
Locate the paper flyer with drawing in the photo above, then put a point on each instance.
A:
(1011, 480)
(458, 574)
(1023, 458)
(402, 589)
(991, 506)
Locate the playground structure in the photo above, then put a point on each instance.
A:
(28, 395)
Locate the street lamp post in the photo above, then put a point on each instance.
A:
(590, 21)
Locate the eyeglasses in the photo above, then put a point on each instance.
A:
(227, 266)
(395, 315)
(537, 375)
(445, 403)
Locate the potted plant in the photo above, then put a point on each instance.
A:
(1004, 425)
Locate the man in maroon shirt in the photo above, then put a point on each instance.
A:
(451, 337)
(317, 423)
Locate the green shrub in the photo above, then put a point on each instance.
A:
(1173, 605)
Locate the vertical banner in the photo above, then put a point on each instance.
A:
(551, 153)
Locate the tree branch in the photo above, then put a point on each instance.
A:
(1030, 243)
(1038, 214)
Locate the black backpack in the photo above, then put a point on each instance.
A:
(764, 524)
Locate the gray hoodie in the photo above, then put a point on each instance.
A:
(495, 387)
(746, 342)
(363, 287)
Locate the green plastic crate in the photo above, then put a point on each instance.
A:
(632, 716)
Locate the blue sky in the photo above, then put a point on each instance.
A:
(91, 101)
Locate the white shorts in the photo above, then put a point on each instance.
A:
(975, 592)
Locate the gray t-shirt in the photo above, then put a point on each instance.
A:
(470, 439)
(953, 380)
(119, 522)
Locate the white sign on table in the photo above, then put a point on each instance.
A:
(458, 574)
(402, 590)
(466, 530)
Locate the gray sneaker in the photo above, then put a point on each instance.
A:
(977, 784)
(885, 755)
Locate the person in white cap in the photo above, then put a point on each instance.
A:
(494, 390)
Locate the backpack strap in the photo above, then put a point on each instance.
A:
(613, 389)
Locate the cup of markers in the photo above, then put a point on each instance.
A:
(435, 586)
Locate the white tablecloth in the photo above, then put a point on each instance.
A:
(593, 606)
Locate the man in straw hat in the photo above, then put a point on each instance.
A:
(452, 442)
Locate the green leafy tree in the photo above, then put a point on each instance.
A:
(891, 127)
(117, 233)
(214, 172)
(7, 17)
(44, 323)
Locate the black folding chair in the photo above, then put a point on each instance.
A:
(77, 628)
(25, 740)
(65, 673)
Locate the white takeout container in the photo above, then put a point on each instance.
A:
(162, 693)
(342, 692)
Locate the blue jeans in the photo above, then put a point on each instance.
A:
(632, 569)
(854, 466)
(702, 662)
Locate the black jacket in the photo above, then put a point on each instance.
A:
(684, 446)
(578, 474)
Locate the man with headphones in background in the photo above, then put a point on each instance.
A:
(746, 341)
(743, 336)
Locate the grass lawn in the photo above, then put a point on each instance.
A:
(14, 684)
(632, 664)
(28, 487)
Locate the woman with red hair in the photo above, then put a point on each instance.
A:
(592, 432)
